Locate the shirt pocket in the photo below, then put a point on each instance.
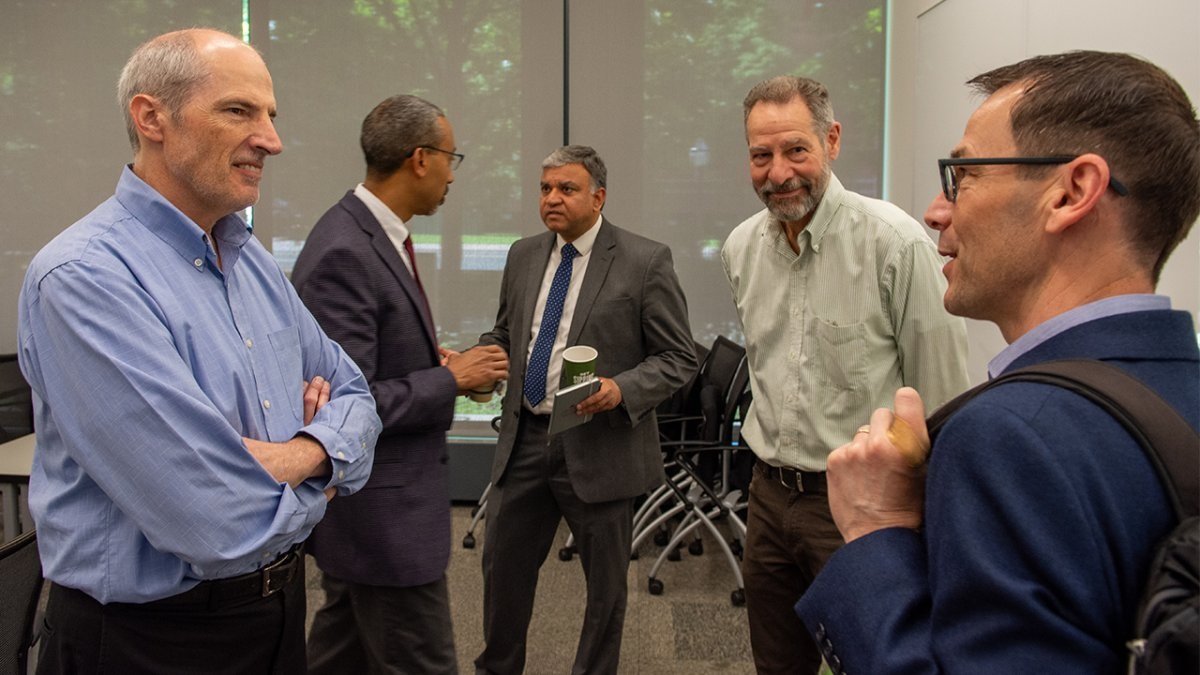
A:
(842, 354)
(285, 352)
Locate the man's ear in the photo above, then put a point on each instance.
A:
(420, 162)
(1080, 186)
(149, 116)
(598, 199)
(833, 141)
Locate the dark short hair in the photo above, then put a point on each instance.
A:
(1128, 111)
(396, 127)
(580, 154)
(783, 89)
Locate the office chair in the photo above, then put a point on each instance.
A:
(679, 418)
(478, 511)
(699, 496)
(16, 400)
(20, 588)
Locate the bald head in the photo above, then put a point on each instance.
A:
(170, 68)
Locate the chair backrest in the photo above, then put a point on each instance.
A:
(723, 379)
(16, 400)
(20, 589)
(684, 400)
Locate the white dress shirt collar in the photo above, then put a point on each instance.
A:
(392, 224)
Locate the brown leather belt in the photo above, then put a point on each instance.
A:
(793, 479)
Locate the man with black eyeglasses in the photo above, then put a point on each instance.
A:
(1023, 544)
(384, 553)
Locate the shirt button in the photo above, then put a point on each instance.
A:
(341, 475)
(249, 343)
(341, 455)
(266, 554)
(267, 403)
(198, 262)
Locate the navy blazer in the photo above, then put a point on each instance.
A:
(1042, 513)
(396, 530)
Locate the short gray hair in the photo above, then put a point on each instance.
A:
(395, 128)
(169, 68)
(784, 89)
(580, 154)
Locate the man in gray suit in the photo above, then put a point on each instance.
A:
(384, 551)
(584, 282)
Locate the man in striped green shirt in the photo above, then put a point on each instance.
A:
(840, 299)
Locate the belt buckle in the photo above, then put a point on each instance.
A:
(283, 565)
(796, 483)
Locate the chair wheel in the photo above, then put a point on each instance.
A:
(674, 556)
(738, 598)
(661, 538)
(735, 547)
(633, 556)
(696, 547)
(469, 541)
(565, 554)
(654, 586)
(474, 511)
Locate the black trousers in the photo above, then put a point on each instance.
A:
(198, 631)
(523, 513)
(382, 629)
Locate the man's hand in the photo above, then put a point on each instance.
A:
(607, 398)
(302, 457)
(316, 395)
(477, 368)
(873, 484)
(292, 462)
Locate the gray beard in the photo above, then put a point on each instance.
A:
(795, 208)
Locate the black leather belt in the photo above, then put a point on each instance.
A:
(793, 479)
(261, 583)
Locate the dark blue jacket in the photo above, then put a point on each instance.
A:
(1042, 513)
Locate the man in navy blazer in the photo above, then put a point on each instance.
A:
(384, 552)
(1025, 546)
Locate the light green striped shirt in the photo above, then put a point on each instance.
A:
(834, 331)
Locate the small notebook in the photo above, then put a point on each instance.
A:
(562, 416)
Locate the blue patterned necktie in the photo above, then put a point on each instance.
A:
(539, 360)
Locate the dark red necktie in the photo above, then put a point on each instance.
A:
(412, 260)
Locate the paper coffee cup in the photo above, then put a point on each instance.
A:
(579, 365)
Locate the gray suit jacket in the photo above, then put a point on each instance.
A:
(632, 310)
(396, 530)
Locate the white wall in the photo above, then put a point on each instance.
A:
(939, 44)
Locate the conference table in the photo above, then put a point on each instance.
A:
(16, 461)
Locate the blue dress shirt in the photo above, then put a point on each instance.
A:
(149, 363)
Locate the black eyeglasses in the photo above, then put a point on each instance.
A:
(946, 167)
(454, 163)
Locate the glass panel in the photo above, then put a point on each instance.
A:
(332, 62)
(678, 167)
(63, 135)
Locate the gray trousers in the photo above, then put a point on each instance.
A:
(382, 629)
(523, 513)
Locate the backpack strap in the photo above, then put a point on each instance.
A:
(1170, 443)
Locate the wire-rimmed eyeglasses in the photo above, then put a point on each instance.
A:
(454, 163)
(949, 173)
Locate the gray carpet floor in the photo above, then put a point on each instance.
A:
(691, 628)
